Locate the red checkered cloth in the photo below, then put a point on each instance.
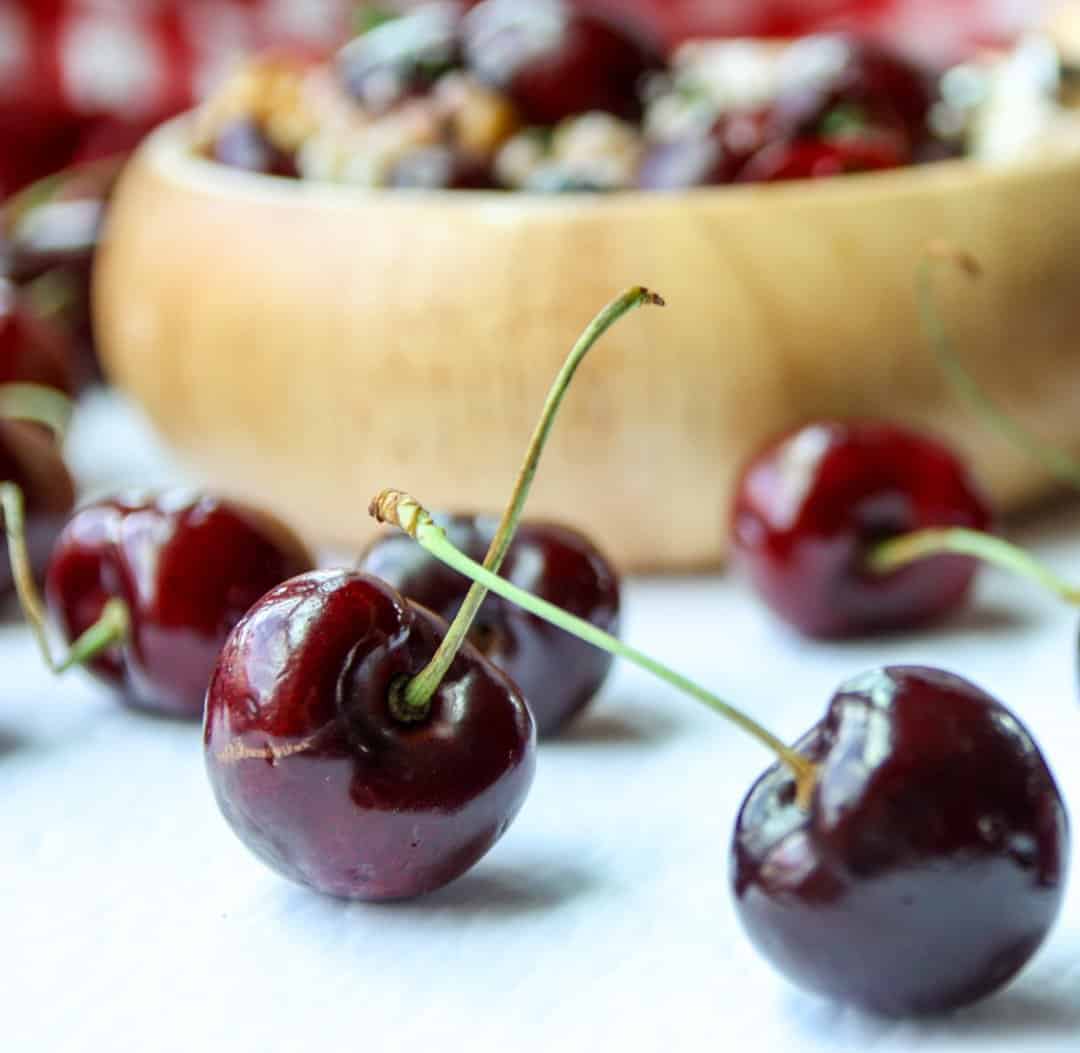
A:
(83, 78)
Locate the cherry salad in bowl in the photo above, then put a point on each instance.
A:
(536, 95)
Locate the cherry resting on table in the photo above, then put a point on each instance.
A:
(186, 569)
(931, 861)
(317, 774)
(811, 506)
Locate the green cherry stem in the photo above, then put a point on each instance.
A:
(405, 512)
(109, 629)
(44, 405)
(1055, 461)
(38, 404)
(892, 555)
(411, 701)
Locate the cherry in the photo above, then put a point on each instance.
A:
(852, 527)
(811, 506)
(52, 231)
(556, 62)
(557, 673)
(185, 569)
(931, 861)
(317, 775)
(30, 458)
(359, 745)
(33, 349)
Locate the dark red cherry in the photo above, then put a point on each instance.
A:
(52, 231)
(244, 145)
(820, 159)
(401, 57)
(810, 506)
(843, 76)
(30, 457)
(316, 775)
(555, 61)
(557, 673)
(931, 861)
(33, 349)
(187, 568)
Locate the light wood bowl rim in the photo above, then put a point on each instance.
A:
(167, 150)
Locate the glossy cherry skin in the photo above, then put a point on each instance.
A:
(810, 506)
(320, 780)
(30, 457)
(556, 672)
(931, 861)
(556, 62)
(187, 568)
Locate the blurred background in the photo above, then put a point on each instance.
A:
(84, 79)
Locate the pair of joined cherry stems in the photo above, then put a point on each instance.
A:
(319, 725)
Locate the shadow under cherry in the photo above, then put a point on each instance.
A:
(495, 891)
(614, 726)
(499, 890)
(11, 742)
(1005, 1021)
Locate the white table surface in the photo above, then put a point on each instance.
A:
(133, 920)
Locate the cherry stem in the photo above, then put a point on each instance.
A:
(401, 510)
(1055, 461)
(37, 404)
(411, 700)
(108, 630)
(901, 551)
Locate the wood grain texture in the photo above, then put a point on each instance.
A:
(305, 346)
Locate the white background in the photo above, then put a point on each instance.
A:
(131, 918)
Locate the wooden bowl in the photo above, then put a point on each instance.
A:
(306, 345)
